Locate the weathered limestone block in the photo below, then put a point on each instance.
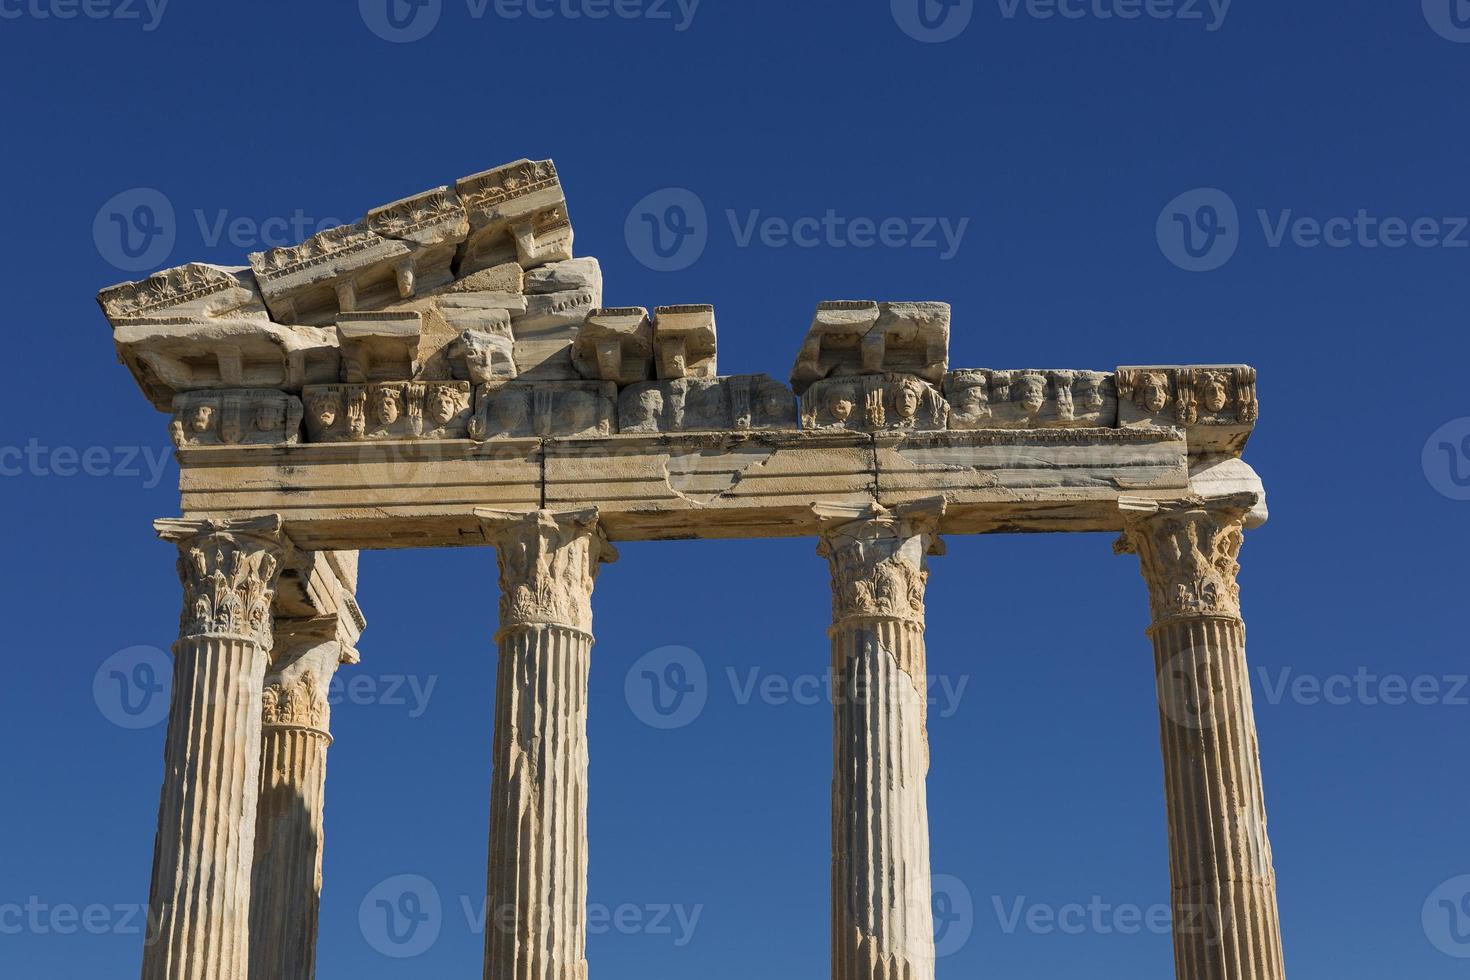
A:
(246, 416)
(558, 299)
(380, 346)
(1226, 921)
(172, 355)
(882, 921)
(554, 408)
(1215, 404)
(197, 291)
(484, 356)
(388, 410)
(340, 270)
(199, 902)
(536, 890)
(685, 339)
(615, 344)
(864, 337)
(874, 403)
(517, 213)
(1031, 399)
(743, 402)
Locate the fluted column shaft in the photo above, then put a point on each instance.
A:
(882, 919)
(286, 881)
(200, 895)
(536, 896)
(1226, 923)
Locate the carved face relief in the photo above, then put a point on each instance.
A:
(1090, 394)
(840, 404)
(511, 410)
(268, 416)
(577, 410)
(443, 405)
(388, 407)
(326, 408)
(906, 402)
(1153, 392)
(1031, 392)
(974, 400)
(650, 405)
(772, 403)
(201, 418)
(1213, 391)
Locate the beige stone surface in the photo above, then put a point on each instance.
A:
(854, 337)
(686, 342)
(615, 345)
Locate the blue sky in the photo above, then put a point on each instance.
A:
(792, 152)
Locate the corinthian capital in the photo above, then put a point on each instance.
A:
(548, 563)
(879, 558)
(1189, 551)
(229, 571)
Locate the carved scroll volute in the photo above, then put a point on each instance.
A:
(1189, 552)
(229, 571)
(548, 564)
(879, 558)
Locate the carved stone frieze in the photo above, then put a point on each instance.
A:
(1217, 404)
(517, 213)
(743, 402)
(388, 410)
(484, 356)
(878, 558)
(229, 571)
(548, 564)
(874, 403)
(552, 408)
(1189, 551)
(239, 417)
(196, 289)
(983, 399)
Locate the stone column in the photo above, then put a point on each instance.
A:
(536, 899)
(1226, 925)
(286, 883)
(882, 918)
(199, 904)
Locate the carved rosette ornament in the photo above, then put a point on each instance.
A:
(229, 572)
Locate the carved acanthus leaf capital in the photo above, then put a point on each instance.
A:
(548, 564)
(1189, 551)
(229, 571)
(878, 558)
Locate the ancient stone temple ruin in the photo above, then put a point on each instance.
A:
(444, 372)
